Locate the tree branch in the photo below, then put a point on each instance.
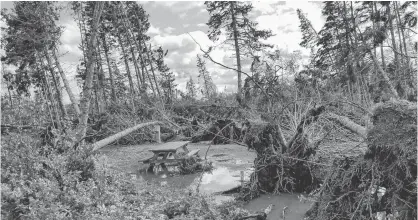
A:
(399, 52)
(227, 67)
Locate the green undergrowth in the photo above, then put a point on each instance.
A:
(40, 182)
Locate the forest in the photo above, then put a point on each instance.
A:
(339, 131)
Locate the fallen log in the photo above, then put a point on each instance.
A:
(348, 124)
(99, 144)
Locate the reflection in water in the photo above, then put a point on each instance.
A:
(218, 180)
(295, 209)
(222, 179)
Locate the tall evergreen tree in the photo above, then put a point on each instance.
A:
(242, 34)
(208, 88)
(191, 89)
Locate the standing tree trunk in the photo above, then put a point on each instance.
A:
(369, 73)
(152, 69)
(350, 66)
(402, 39)
(128, 71)
(112, 82)
(381, 45)
(126, 23)
(392, 34)
(49, 95)
(73, 100)
(85, 102)
(96, 87)
(149, 77)
(56, 84)
(139, 46)
(385, 76)
(234, 26)
(101, 74)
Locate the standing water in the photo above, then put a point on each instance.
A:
(222, 179)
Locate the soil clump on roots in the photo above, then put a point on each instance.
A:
(381, 181)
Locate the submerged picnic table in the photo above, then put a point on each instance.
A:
(168, 153)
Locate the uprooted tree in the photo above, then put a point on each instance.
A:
(354, 188)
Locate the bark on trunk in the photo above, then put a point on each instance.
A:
(73, 100)
(50, 97)
(56, 84)
(128, 71)
(385, 76)
(121, 134)
(348, 124)
(85, 102)
(112, 82)
(392, 34)
(381, 45)
(101, 76)
(369, 73)
(234, 26)
(152, 69)
(402, 39)
(125, 23)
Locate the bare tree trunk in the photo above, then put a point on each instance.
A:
(56, 84)
(50, 96)
(101, 75)
(234, 26)
(121, 134)
(385, 76)
(152, 69)
(86, 100)
(73, 100)
(125, 23)
(369, 73)
(348, 124)
(128, 71)
(403, 34)
(350, 68)
(139, 46)
(381, 45)
(96, 88)
(392, 34)
(149, 78)
(8, 88)
(112, 82)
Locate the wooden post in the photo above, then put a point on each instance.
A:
(242, 177)
(231, 134)
(158, 134)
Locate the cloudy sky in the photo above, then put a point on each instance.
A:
(172, 21)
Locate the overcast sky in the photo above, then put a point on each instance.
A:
(171, 21)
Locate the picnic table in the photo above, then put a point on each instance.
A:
(169, 153)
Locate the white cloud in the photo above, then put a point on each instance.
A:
(183, 15)
(168, 30)
(153, 30)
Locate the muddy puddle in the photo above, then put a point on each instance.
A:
(290, 204)
(225, 176)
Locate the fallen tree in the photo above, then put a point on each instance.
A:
(381, 181)
(99, 144)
